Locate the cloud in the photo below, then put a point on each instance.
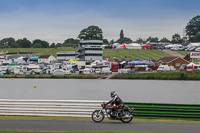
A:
(56, 25)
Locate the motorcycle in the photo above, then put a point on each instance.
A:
(124, 114)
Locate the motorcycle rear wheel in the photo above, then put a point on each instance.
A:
(97, 116)
(127, 120)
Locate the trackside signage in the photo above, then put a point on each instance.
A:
(194, 54)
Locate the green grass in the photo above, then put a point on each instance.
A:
(63, 132)
(133, 54)
(135, 119)
(184, 52)
(161, 76)
(110, 53)
(38, 51)
(71, 76)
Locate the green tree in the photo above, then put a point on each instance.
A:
(72, 41)
(23, 43)
(105, 41)
(37, 45)
(197, 37)
(7, 41)
(193, 27)
(123, 39)
(121, 34)
(91, 33)
(44, 44)
(139, 39)
(59, 44)
(53, 45)
(176, 38)
(112, 41)
(152, 39)
(164, 39)
(14, 45)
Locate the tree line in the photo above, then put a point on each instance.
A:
(95, 33)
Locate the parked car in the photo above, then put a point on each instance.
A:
(183, 67)
(134, 70)
(59, 72)
(98, 71)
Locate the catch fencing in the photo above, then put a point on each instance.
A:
(84, 108)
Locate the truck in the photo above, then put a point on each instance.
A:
(114, 66)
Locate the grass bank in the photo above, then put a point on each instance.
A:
(107, 53)
(140, 54)
(161, 76)
(92, 76)
(38, 51)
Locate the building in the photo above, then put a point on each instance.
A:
(89, 50)
(172, 61)
(46, 59)
(66, 55)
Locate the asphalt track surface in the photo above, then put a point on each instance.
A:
(90, 126)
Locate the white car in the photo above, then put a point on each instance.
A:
(98, 71)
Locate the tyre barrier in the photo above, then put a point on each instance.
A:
(165, 110)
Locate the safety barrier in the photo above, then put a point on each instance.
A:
(163, 110)
(84, 108)
(76, 108)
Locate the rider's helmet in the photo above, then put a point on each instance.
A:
(112, 94)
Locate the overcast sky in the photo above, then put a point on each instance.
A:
(58, 20)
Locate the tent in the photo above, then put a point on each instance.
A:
(72, 60)
(137, 62)
(133, 46)
(148, 46)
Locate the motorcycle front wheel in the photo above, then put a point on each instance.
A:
(97, 116)
(127, 117)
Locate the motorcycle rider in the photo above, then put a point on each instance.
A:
(116, 100)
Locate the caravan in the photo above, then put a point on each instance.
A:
(192, 67)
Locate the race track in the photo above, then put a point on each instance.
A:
(90, 126)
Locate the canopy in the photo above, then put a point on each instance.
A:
(148, 46)
(144, 62)
(133, 46)
(72, 60)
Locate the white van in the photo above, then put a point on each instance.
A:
(165, 68)
(106, 70)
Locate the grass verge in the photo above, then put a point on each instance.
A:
(89, 119)
(92, 76)
(65, 132)
(161, 76)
